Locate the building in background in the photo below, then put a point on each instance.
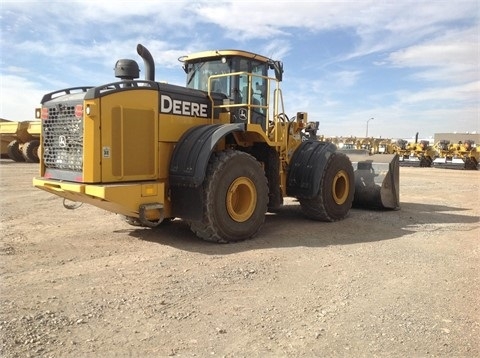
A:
(457, 137)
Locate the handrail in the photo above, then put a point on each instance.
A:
(248, 102)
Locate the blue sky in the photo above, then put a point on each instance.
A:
(413, 66)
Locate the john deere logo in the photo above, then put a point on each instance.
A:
(62, 141)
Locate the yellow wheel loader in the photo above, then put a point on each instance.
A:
(464, 155)
(349, 143)
(417, 154)
(385, 146)
(218, 153)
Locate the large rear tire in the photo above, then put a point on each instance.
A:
(30, 151)
(471, 163)
(14, 151)
(235, 198)
(335, 196)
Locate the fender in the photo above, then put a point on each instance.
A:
(189, 165)
(306, 168)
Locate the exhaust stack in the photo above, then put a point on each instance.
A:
(148, 61)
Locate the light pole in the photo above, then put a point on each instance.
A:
(366, 135)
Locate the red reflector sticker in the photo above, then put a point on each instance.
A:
(78, 111)
(44, 114)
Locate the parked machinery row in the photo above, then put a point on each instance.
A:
(20, 140)
(420, 153)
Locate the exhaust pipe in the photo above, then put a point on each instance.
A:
(148, 62)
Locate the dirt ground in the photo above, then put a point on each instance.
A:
(82, 283)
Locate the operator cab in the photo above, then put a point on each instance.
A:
(241, 76)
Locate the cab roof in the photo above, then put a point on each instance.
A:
(220, 53)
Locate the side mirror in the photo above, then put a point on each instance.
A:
(277, 66)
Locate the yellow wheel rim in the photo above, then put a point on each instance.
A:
(241, 199)
(340, 187)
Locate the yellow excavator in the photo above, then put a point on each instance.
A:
(218, 153)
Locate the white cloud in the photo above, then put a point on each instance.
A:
(454, 56)
(379, 26)
(276, 49)
(396, 122)
(19, 98)
(100, 12)
(467, 92)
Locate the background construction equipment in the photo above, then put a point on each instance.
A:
(20, 140)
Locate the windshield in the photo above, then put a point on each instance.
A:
(199, 72)
(248, 86)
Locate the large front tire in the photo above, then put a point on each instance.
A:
(335, 196)
(235, 198)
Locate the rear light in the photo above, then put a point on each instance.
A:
(44, 114)
(79, 111)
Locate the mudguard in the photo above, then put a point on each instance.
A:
(306, 168)
(189, 165)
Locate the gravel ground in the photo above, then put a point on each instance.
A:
(82, 283)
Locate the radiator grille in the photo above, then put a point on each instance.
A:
(63, 139)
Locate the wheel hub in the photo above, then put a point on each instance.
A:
(241, 199)
(340, 187)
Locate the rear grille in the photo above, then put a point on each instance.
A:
(63, 139)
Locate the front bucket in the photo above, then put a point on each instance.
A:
(377, 180)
